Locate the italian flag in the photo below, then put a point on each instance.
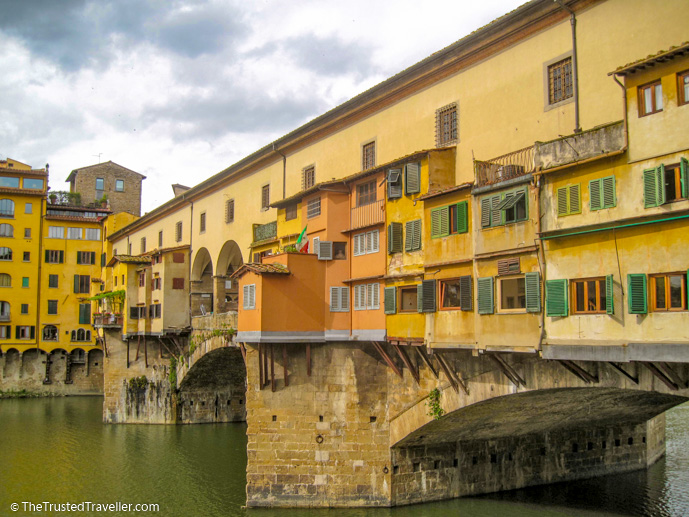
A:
(303, 242)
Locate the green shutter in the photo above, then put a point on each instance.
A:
(609, 302)
(437, 215)
(417, 234)
(427, 298)
(463, 217)
(78, 257)
(465, 296)
(683, 166)
(76, 283)
(485, 212)
(62, 256)
(636, 293)
(608, 192)
(562, 205)
(47, 255)
(485, 295)
(102, 260)
(496, 215)
(395, 237)
(533, 291)
(32, 334)
(595, 194)
(390, 300)
(409, 236)
(574, 194)
(556, 298)
(419, 297)
(412, 177)
(660, 185)
(650, 188)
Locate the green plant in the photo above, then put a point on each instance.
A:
(173, 373)
(138, 383)
(434, 408)
(290, 248)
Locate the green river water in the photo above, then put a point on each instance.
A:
(57, 450)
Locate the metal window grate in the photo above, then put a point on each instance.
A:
(446, 125)
(368, 156)
(560, 86)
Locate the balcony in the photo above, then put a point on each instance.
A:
(107, 320)
(265, 232)
(367, 215)
(505, 167)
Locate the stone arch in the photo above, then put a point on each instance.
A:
(202, 283)
(229, 260)
(12, 364)
(214, 388)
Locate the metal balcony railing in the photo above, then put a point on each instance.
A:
(505, 167)
(107, 320)
(367, 215)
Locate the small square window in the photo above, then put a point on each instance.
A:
(446, 125)
(560, 83)
(265, 197)
(100, 184)
(27, 256)
(119, 185)
(25, 308)
(589, 296)
(513, 294)
(52, 306)
(25, 281)
(650, 98)
(28, 208)
(368, 158)
(53, 280)
(408, 299)
(27, 233)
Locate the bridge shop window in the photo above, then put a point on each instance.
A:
(50, 333)
(668, 292)
(650, 98)
(592, 295)
(665, 184)
(408, 299)
(449, 220)
(683, 87)
(366, 193)
(25, 332)
(455, 294)
(504, 208)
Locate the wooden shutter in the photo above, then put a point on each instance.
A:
(683, 166)
(61, 257)
(485, 212)
(608, 190)
(509, 266)
(325, 250)
(413, 235)
(562, 205)
(394, 237)
(394, 183)
(574, 198)
(427, 299)
(495, 213)
(78, 257)
(76, 283)
(335, 299)
(595, 194)
(556, 298)
(532, 283)
(465, 295)
(32, 332)
(463, 217)
(372, 245)
(439, 226)
(485, 295)
(390, 300)
(412, 178)
(357, 245)
(636, 293)
(650, 188)
(660, 185)
(134, 313)
(609, 302)
(372, 296)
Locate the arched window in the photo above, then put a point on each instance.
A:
(81, 335)
(74, 335)
(6, 230)
(5, 253)
(88, 335)
(4, 311)
(6, 208)
(50, 333)
(5, 280)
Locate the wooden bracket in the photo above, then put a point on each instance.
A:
(388, 360)
(507, 370)
(308, 359)
(454, 379)
(426, 360)
(578, 371)
(145, 353)
(670, 373)
(284, 364)
(272, 368)
(138, 345)
(127, 353)
(242, 347)
(661, 376)
(405, 359)
(619, 369)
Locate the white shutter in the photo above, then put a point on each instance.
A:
(373, 291)
(373, 248)
(334, 299)
(344, 299)
(249, 295)
(316, 245)
(355, 243)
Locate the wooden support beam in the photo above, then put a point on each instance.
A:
(308, 359)
(670, 374)
(243, 349)
(618, 368)
(284, 364)
(145, 353)
(272, 368)
(388, 360)
(138, 345)
(578, 371)
(661, 376)
(507, 370)
(446, 369)
(260, 366)
(405, 359)
(426, 360)
(127, 353)
(265, 365)
(451, 373)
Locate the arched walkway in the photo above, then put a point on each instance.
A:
(226, 293)
(202, 284)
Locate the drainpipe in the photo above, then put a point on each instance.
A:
(541, 253)
(575, 66)
(40, 262)
(284, 171)
(624, 104)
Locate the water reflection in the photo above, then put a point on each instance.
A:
(58, 450)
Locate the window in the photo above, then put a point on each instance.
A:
(50, 333)
(84, 313)
(569, 200)
(4, 311)
(602, 193)
(368, 155)
(412, 241)
(160, 239)
(590, 295)
(32, 184)
(249, 297)
(82, 284)
(25, 332)
(512, 293)
(5, 280)
(313, 208)
(456, 293)
(508, 207)
(339, 251)
(26, 257)
(650, 98)
(143, 244)
(178, 258)
(408, 299)
(6, 208)
(5, 253)
(6, 230)
(229, 210)
(100, 184)
(339, 299)
(366, 297)
(446, 125)
(154, 311)
(365, 243)
(394, 237)
(5, 331)
(86, 257)
(412, 178)
(450, 220)
(52, 281)
(24, 308)
(137, 312)
(560, 84)
(81, 335)
(25, 281)
(202, 222)
(178, 231)
(308, 177)
(668, 292)
(52, 306)
(54, 256)
(9, 182)
(92, 234)
(291, 212)
(74, 233)
(56, 232)
(28, 208)
(142, 279)
(366, 193)
(265, 197)
(178, 283)
(27, 233)
(665, 184)
(394, 179)
(156, 284)
(119, 185)
(683, 87)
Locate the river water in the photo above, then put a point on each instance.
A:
(57, 450)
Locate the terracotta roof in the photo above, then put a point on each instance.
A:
(22, 191)
(95, 220)
(25, 172)
(129, 259)
(449, 190)
(660, 57)
(261, 269)
(110, 162)
(157, 251)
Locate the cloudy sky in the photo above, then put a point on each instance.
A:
(180, 89)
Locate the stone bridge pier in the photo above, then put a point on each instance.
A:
(348, 424)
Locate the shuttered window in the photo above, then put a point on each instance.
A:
(602, 193)
(556, 298)
(568, 200)
(249, 297)
(485, 295)
(84, 313)
(308, 177)
(426, 294)
(533, 292)
(325, 250)
(448, 220)
(367, 297)
(86, 257)
(636, 294)
(395, 237)
(504, 208)
(394, 183)
(390, 301)
(412, 178)
(54, 256)
(82, 284)
(339, 299)
(509, 266)
(229, 210)
(413, 235)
